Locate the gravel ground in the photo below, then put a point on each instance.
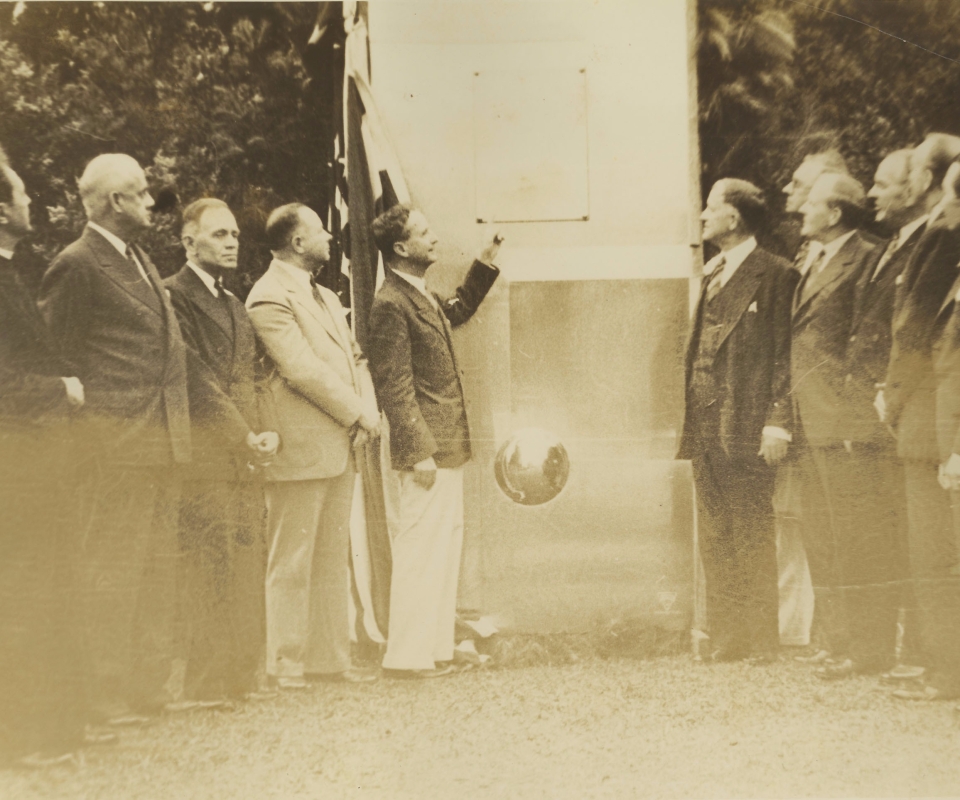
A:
(620, 728)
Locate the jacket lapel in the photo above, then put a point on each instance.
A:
(217, 310)
(738, 293)
(122, 272)
(867, 289)
(304, 298)
(951, 297)
(823, 284)
(425, 310)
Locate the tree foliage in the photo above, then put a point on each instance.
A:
(214, 100)
(780, 78)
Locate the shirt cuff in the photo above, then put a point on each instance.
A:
(777, 433)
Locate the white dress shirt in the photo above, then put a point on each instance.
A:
(420, 285)
(208, 280)
(732, 259)
(829, 250)
(7, 254)
(121, 247)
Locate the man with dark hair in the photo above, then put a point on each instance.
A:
(908, 404)
(419, 387)
(41, 690)
(738, 420)
(221, 509)
(112, 317)
(850, 548)
(318, 396)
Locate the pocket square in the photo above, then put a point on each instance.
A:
(899, 280)
(753, 306)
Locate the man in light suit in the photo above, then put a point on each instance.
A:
(112, 318)
(738, 420)
(221, 510)
(42, 708)
(320, 399)
(419, 387)
(927, 435)
(850, 553)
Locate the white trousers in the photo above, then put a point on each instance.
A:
(796, 588)
(426, 569)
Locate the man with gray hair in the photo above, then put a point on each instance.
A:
(849, 548)
(738, 420)
(106, 306)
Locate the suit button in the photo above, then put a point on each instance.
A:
(853, 338)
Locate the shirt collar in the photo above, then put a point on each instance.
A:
(301, 276)
(830, 249)
(418, 283)
(115, 240)
(732, 259)
(7, 254)
(910, 228)
(208, 280)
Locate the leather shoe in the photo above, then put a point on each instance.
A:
(130, 721)
(294, 683)
(836, 672)
(44, 760)
(924, 693)
(901, 673)
(347, 676)
(418, 674)
(94, 735)
(816, 658)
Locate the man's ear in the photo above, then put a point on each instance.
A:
(187, 241)
(400, 249)
(4, 213)
(114, 199)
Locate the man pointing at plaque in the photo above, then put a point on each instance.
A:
(418, 386)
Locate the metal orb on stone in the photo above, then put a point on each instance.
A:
(532, 467)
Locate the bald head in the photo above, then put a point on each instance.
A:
(812, 167)
(891, 190)
(834, 206)
(114, 192)
(929, 163)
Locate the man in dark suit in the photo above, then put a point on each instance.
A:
(920, 403)
(41, 691)
(418, 385)
(850, 553)
(796, 592)
(738, 420)
(221, 509)
(106, 306)
(867, 356)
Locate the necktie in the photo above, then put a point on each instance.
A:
(892, 248)
(218, 285)
(132, 258)
(713, 287)
(809, 278)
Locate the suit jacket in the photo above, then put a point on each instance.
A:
(868, 343)
(220, 333)
(752, 364)
(33, 399)
(121, 334)
(822, 312)
(911, 382)
(415, 368)
(946, 360)
(318, 383)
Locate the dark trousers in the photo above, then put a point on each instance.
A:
(42, 698)
(932, 515)
(129, 564)
(851, 539)
(738, 550)
(222, 536)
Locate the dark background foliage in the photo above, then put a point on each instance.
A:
(224, 100)
(230, 100)
(782, 78)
